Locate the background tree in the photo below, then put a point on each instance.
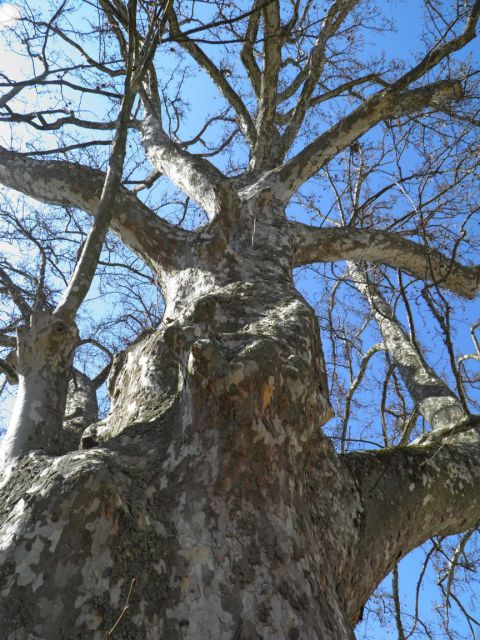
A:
(209, 499)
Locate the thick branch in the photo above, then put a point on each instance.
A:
(316, 244)
(82, 277)
(383, 105)
(195, 176)
(408, 495)
(68, 184)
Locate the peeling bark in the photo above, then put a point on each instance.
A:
(316, 244)
(209, 503)
(211, 484)
(43, 362)
(212, 419)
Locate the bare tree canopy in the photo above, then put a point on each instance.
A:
(275, 175)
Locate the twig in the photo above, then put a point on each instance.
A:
(124, 611)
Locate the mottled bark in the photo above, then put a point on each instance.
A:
(209, 504)
(316, 244)
(195, 176)
(204, 489)
(211, 484)
(435, 401)
(408, 493)
(43, 362)
(387, 103)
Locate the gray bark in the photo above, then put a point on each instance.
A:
(436, 402)
(209, 504)
(211, 485)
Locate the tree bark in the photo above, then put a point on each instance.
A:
(200, 489)
(44, 356)
(209, 501)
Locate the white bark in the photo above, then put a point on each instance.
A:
(196, 177)
(43, 363)
(435, 401)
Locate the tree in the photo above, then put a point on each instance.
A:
(210, 502)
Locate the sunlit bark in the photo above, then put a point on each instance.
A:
(209, 503)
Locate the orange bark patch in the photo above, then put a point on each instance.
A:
(267, 392)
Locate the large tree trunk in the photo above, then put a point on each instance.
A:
(210, 486)
(209, 501)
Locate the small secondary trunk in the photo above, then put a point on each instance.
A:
(43, 362)
(209, 499)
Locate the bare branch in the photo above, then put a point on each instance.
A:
(247, 54)
(382, 105)
(70, 184)
(435, 401)
(442, 49)
(267, 133)
(353, 387)
(196, 176)
(314, 244)
(313, 69)
(16, 294)
(235, 101)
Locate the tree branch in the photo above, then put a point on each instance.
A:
(384, 104)
(315, 244)
(267, 133)
(245, 121)
(435, 401)
(313, 69)
(408, 495)
(247, 54)
(16, 294)
(195, 176)
(442, 49)
(69, 184)
(84, 272)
